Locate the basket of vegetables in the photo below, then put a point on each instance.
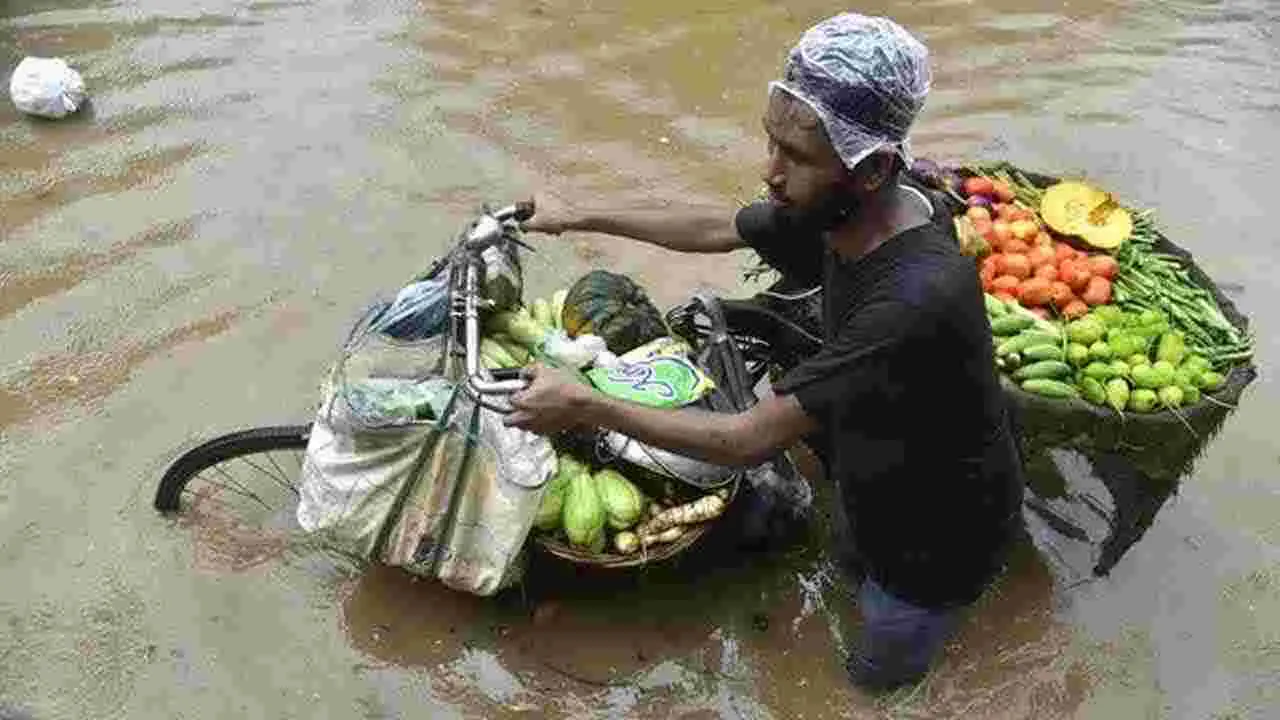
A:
(618, 515)
(1110, 340)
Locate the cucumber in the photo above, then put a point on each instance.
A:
(1117, 394)
(1025, 340)
(1143, 400)
(1210, 380)
(1050, 388)
(1144, 377)
(1010, 324)
(1120, 369)
(1171, 396)
(1100, 351)
(1043, 352)
(1043, 370)
(1164, 373)
(1093, 391)
(1196, 365)
(1077, 354)
(995, 308)
(1190, 394)
(1099, 370)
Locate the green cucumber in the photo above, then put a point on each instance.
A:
(995, 308)
(1010, 324)
(1043, 352)
(1050, 388)
(1025, 340)
(1093, 391)
(1043, 370)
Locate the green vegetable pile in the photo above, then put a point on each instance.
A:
(1125, 360)
(1150, 280)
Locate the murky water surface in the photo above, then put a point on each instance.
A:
(183, 258)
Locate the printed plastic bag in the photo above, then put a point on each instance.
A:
(658, 373)
(46, 87)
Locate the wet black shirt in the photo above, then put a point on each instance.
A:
(912, 416)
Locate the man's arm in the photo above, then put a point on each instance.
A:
(681, 227)
(553, 403)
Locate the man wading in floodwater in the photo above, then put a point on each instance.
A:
(903, 396)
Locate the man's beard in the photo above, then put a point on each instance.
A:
(832, 210)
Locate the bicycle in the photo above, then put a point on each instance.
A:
(253, 474)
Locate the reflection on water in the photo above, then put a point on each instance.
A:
(189, 249)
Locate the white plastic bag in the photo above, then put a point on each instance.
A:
(47, 87)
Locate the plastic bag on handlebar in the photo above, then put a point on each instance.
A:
(420, 311)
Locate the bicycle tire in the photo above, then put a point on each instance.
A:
(220, 449)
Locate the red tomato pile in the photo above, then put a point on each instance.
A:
(1026, 264)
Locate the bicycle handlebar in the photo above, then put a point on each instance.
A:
(485, 232)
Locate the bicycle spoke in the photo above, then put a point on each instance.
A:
(239, 489)
(289, 484)
(279, 479)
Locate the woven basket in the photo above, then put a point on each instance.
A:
(556, 545)
(1159, 444)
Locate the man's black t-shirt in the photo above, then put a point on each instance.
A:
(912, 416)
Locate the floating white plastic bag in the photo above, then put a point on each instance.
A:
(47, 87)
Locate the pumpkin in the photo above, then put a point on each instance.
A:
(1092, 215)
(613, 307)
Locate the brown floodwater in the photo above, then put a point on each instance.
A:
(184, 256)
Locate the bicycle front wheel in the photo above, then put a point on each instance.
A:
(250, 476)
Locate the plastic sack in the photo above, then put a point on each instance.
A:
(578, 352)
(46, 87)
(466, 516)
(352, 473)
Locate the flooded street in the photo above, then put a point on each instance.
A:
(184, 257)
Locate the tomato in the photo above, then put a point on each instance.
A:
(987, 274)
(1017, 265)
(1003, 231)
(1061, 294)
(1006, 284)
(1034, 292)
(1098, 291)
(1002, 191)
(1075, 274)
(1040, 255)
(979, 186)
(1024, 229)
(1075, 309)
(1063, 251)
(1047, 271)
(1014, 245)
(1044, 239)
(1004, 297)
(1021, 213)
(1079, 280)
(983, 226)
(1103, 266)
